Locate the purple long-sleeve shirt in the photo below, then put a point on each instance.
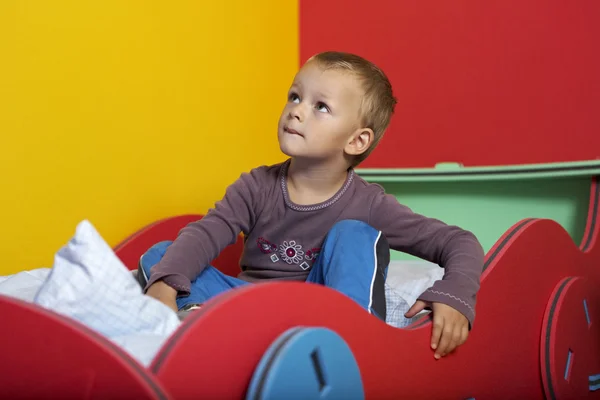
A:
(283, 238)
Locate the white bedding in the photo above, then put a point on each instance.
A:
(23, 285)
(90, 284)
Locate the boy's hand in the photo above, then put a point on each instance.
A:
(450, 327)
(163, 293)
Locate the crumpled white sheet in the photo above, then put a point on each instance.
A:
(405, 282)
(90, 284)
(23, 285)
(410, 278)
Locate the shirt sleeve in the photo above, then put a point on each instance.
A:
(200, 242)
(456, 250)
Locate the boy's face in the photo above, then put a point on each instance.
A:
(322, 113)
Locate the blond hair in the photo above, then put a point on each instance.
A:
(378, 103)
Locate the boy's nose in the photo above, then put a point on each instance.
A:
(297, 113)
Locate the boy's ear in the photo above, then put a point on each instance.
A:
(360, 141)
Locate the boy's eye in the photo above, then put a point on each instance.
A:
(293, 97)
(322, 107)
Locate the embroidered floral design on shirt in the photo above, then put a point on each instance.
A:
(304, 266)
(312, 253)
(265, 246)
(291, 252)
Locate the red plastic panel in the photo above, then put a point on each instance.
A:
(478, 82)
(570, 342)
(132, 248)
(219, 347)
(45, 355)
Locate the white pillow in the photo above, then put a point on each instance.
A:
(90, 284)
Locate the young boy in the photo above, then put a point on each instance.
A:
(313, 219)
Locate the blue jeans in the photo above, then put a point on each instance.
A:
(353, 260)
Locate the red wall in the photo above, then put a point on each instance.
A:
(478, 82)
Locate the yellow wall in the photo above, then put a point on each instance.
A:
(123, 112)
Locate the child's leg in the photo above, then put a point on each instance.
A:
(354, 260)
(210, 283)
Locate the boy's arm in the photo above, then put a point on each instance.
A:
(201, 242)
(456, 250)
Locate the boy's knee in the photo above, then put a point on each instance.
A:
(159, 249)
(352, 227)
(153, 255)
(354, 230)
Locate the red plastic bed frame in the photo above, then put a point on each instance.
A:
(536, 334)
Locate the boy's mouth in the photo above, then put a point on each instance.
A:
(292, 131)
